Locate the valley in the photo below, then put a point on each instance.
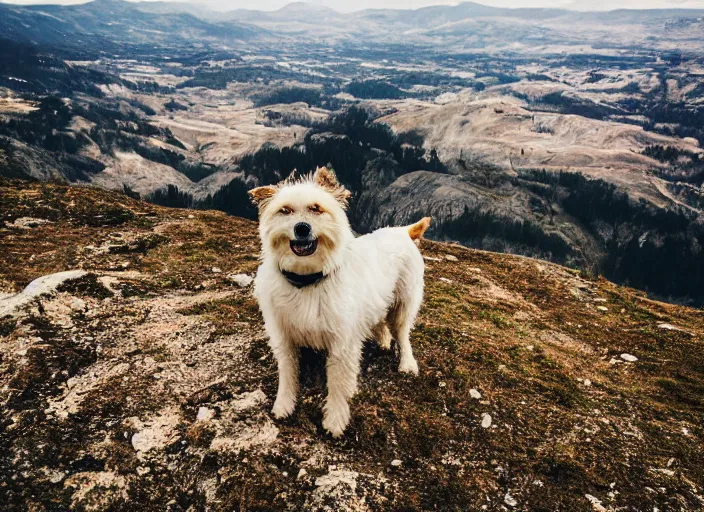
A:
(516, 134)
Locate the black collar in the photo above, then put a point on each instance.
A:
(303, 280)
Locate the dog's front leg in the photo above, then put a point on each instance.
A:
(342, 372)
(287, 359)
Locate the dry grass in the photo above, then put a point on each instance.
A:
(527, 335)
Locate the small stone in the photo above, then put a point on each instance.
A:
(27, 223)
(587, 382)
(596, 503)
(396, 463)
(602, 308)
(241, 280)
(450, 257)
(628, 357)
(442, 384)
(530, 347)
(216, 270)
(668, 327)
(56, 477)
(510, 500)
(445, 280)
(191, 216)
(475, 394)
(205, 414)
(78, 304)
(301, 473)
(486, 420)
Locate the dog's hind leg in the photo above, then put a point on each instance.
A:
(401, 318)
(382, 335)
(342, 372)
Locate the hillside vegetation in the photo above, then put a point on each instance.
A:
(144, 382)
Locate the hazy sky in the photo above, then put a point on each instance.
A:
(353, 5)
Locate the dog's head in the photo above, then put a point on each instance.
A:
(302, 223)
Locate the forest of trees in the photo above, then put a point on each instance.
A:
(374, 90)
(349, 141)
(655, 249)
(684, 166)
(484, 229)
(559, 102)
(313, 96)
(45, 127)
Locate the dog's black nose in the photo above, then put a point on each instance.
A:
(302, 230)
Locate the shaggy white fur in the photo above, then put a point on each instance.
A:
(345, 291)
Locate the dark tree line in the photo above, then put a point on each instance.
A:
(46, 127)
(374, 90)
(655, 249)
(350, 141)
(481, 228)
(314, 97)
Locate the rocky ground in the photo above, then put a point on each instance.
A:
(142, 379)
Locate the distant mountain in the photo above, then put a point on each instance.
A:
(99, 23)
(104, 21)
(480, 25)
(163, 7)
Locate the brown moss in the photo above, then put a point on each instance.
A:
(86, 286)
(525, 334)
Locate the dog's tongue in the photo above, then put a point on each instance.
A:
(304, 248)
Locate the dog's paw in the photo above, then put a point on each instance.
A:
(336, 420)
(409, 366)
(385, 342)
(283, 408)
(384, 338)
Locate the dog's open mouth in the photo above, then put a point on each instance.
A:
(304, 247)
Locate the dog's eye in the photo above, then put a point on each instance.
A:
(315, 209)
(285, 210)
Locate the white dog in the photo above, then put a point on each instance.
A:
(318, 286)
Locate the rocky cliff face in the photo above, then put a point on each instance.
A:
(142, 379)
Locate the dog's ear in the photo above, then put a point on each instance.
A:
(262, 195)
(325, 178)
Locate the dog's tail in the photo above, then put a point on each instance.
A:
(416, 231)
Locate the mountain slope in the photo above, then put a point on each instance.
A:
(146, 382)
(112, 21)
